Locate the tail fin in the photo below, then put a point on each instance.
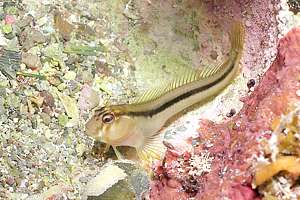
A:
(237, 38)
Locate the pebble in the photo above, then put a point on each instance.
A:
(247, 23)
(62, 120)
(24, 183)
(181, 128)
(46, 118)
(73, 87)
(250, 83)
(10, 180)
(31, 61)
(86, 77)
(25, 21)
(213, 54)
(38, 37)
(48, 98)
(298, 93)
(231, 113)
(2, 108)
(103, 68)
(84, 179)
(204, 44)
(61, 86)
(32, 37)
(70, 75)
(9, 19)
(54, 81)
(88, 98)
(294, 6)
(195, 142)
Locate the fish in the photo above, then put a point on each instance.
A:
(138, 124)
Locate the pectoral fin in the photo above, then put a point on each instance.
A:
(152, 149)
(118, 154)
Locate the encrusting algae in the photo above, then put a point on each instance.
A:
(138, 124)
(286, 155)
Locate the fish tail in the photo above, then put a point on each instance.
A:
(237, 39)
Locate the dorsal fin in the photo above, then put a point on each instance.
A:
(188, 76)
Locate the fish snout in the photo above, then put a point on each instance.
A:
(93, 129)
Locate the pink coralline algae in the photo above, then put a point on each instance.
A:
(231, 148)
(9, 19)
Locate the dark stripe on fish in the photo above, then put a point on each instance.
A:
(181, 97)
(100, 111)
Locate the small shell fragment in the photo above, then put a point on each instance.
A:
(109, 176)
(71, 108)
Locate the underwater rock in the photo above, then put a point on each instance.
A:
(30, 37)
(118, 180)
(233, 145)
(294, 6)
(88, 98)
(63, 26)
(58, 191)
(109, 176)
(31, 61)
(9, 63)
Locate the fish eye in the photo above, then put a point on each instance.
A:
(108, 118)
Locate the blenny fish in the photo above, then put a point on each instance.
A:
(138, 124)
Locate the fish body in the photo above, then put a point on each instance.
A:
(138, 124)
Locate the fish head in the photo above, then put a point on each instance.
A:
(111, 125)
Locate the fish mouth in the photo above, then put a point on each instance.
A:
(90, 132)
(96, 134)
(92, 128)
(97, 138)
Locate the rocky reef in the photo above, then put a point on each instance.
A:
(225, 156)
